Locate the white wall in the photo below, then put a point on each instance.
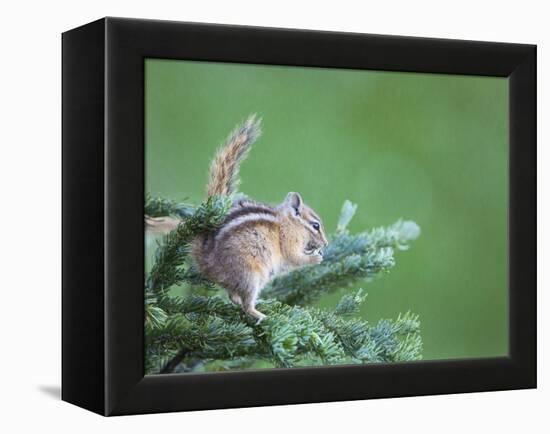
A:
(30, 200)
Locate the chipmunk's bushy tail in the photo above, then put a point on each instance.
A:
(224, 170)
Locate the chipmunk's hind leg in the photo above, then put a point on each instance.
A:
(249, 298)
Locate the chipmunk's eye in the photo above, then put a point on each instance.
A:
(315, 225)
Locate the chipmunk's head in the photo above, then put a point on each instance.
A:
(304, 227)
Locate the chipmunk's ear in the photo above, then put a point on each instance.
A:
(294, 201)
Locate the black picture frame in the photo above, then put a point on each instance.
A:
(103, 191)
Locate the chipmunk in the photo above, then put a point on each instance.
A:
(256, 241)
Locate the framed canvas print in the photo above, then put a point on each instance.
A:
(258, 216)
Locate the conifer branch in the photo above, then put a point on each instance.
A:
(211, 328)
(186, 333)
(347, 258)
(173, 251)
(160, 207)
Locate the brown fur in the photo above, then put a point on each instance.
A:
(224, 170)
(255, 244)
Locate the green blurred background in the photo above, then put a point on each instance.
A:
(426, 147)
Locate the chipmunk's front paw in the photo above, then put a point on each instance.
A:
(315, 259)
(313, 254)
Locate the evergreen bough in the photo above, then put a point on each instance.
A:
(203, 330)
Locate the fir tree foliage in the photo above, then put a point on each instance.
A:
(160, 207)
(200, 329)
